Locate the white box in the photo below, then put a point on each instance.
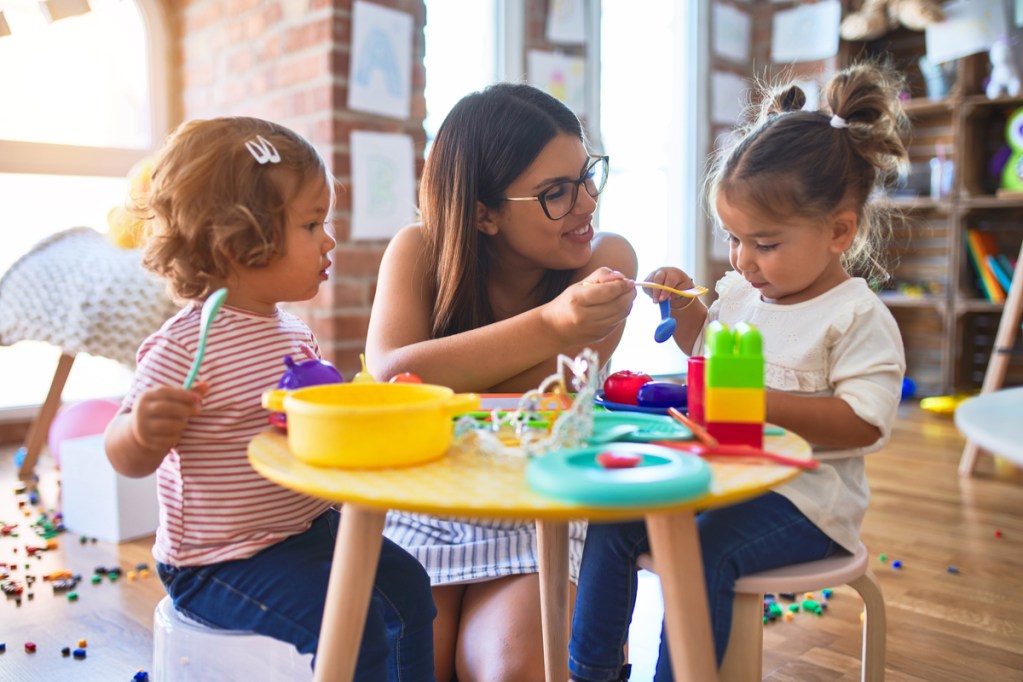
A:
(97, 502)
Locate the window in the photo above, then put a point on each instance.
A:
(448, 43)
(648, 67)
(86, 98)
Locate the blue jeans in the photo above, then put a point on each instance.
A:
(763, 533)
(280, 592)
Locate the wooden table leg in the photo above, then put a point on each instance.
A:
(354, 568)
(675, 546)
(552, 545)
(41, 426)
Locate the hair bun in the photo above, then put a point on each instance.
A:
(791, 98)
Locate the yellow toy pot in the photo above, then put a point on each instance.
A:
(370, 425)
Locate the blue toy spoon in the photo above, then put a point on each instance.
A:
(666, 327)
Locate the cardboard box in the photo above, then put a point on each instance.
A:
(97, 502)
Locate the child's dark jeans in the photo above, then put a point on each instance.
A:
(280, 592)
(763, 533)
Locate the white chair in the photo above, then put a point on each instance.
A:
(744, 657)
(187, 651)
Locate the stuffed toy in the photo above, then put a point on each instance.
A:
(1004, 73)
(877, 17)
(125, 229)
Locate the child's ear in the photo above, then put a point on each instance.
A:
(484, 221)
(843, 230)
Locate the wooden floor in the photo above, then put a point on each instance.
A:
(942, 626)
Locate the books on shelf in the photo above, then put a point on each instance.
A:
(983, 249)
(1001, 269)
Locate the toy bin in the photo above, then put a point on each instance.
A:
(187, 651)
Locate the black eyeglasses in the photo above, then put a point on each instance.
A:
(558, 200)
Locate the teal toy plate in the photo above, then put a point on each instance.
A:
(663, 476)
(648, 427)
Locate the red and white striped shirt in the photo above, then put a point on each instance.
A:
(214, 506)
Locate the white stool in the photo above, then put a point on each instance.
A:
(744, 656)
(187, 651)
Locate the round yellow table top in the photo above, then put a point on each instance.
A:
(472, 484)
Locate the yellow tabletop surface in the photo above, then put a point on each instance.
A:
(472, 484)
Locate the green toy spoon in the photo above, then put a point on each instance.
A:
(210, 308)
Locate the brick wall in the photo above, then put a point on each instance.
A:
(288, 60)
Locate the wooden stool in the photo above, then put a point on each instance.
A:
(744, 657)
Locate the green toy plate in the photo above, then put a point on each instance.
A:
(648, 427)
(662, 476)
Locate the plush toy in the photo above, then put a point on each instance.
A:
(125, 229)
(877, 17)
(1004, 72)
(1012, 172)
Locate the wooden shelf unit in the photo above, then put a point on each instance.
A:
(948, 325)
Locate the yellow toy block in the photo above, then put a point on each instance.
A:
(734, 405)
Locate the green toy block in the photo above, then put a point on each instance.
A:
(735, 358)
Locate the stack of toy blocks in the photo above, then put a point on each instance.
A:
(733, 397)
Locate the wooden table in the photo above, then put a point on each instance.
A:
(471, 484)
(994, 421)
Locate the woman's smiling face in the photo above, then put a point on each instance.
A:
(522, 232)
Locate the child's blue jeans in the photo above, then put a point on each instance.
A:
(746, 538)
(280, 592)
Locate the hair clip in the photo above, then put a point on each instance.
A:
(263, 151)
(839, 122)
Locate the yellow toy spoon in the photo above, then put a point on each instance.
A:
(687, 293)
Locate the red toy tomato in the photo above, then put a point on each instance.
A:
(622, 387)
(612, 460)
(405, 378)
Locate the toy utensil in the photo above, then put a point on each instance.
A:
(739, 451)
(686, 293)
(611, 433)
(698, 431)
(210, 308)
(666, 327)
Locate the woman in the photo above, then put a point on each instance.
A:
(483, 296)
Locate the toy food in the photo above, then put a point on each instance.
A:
(363, 376)
(622, 387)
(405, 378)
(308, 373)
(661, 394)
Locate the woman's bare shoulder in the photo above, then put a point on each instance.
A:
(614, 251)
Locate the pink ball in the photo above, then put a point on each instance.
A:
(85, 418)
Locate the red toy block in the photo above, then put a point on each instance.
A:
(736, 433)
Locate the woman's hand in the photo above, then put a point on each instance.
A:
(591, 309)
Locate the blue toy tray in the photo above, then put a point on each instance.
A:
(662, 476)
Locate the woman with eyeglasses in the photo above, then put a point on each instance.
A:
(483, 295)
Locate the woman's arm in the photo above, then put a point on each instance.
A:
(509, 355)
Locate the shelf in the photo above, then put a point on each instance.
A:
(971, 102)
(921, 203)
(976, 305)
(923, 106)
(1014, 200)
(896, 300)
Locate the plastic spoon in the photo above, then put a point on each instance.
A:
(687, 293)
(666, 327)
(210, 308)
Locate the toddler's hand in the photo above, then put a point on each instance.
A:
(669, 277)
(160, 415)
